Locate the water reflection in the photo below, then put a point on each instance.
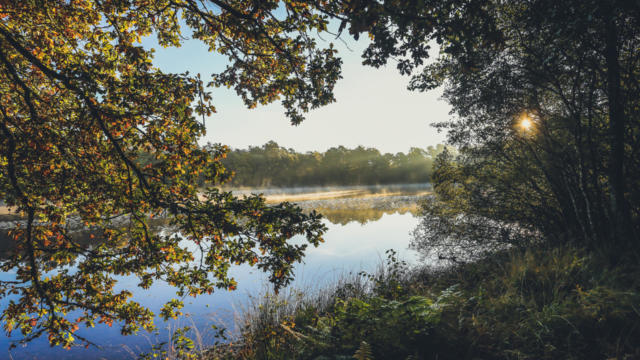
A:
(362, 217)
(360, 230)
(364, 204)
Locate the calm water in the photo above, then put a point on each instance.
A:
(353, 243)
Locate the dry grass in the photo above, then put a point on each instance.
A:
(5, 210)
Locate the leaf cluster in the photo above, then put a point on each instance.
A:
(94, 137)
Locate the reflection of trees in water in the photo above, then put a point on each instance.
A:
(362, 216)
(362, 210)
(338, 211)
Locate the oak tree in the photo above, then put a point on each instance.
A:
(94, 137)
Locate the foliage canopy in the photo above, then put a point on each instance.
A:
(80, 100)
(546, 96)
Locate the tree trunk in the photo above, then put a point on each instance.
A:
(620, 223)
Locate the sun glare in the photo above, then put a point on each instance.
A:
(525, 122)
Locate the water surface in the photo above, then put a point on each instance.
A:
(360, 231)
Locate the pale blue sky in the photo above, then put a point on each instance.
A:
(373, 107)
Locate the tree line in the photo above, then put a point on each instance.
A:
(274, 165)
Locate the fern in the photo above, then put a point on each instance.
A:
(363, 352)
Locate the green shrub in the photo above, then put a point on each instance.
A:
(559, 303)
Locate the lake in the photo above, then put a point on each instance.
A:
(363, 223)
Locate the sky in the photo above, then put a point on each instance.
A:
(373, 107)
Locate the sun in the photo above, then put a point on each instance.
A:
(525, 122)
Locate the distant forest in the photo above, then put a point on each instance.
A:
(273, 165)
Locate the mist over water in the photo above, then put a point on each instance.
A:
(375, 189)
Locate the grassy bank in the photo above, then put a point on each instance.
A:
(559, 303)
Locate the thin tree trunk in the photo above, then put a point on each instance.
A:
(620, 226)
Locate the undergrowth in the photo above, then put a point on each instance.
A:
(559, 303)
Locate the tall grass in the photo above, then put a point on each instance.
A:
(272, 326)
(557, 303)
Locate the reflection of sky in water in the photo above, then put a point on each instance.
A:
(347, 248)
